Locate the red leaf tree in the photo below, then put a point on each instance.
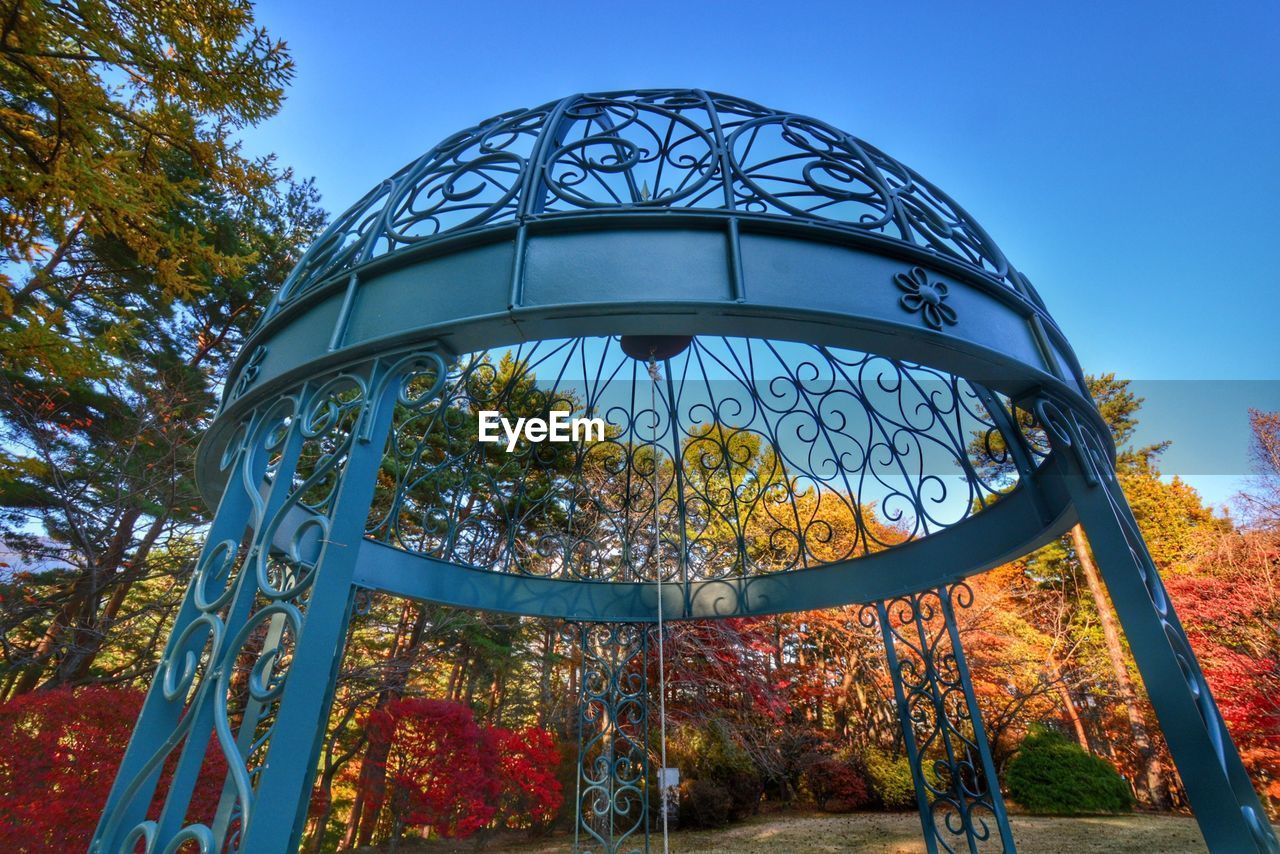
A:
(439, 769)
(447, 774)
(529, 793)
(59, 753)
(1230, 618)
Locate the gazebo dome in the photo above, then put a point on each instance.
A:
(625, 153)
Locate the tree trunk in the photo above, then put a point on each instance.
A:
(1069, 706)
(544, 678)
(74, 669)
(31, 674)
(362, 822)
(1150, 783)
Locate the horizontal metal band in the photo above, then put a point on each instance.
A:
(1014, 526)
(682, 280)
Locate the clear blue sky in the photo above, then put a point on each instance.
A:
(1126, 156)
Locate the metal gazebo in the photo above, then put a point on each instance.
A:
(822, 382)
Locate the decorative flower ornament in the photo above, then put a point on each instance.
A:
(925, 297)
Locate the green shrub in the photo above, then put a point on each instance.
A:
(1051, 774)
(889, 779)
(704, 803)
(708, 753)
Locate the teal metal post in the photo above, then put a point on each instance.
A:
(182, 707)
(941, 721)
(1217, 785)
(299, 728)
(613, 738)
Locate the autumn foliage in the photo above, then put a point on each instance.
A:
(528, 792)
(59, 751)
(447, 774)
(1230, 614)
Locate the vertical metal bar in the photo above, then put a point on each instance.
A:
(975, 716)
(284, 787)
(933, 686)
(612, 742)
(737, 279)
(344, 312)
(579, 630)
(677, 466)
(647, 778)
(239, 509)
(908, 730)
(623, 725)
(516, 298)
(186, 774)
(1042, 344)
(941, 723)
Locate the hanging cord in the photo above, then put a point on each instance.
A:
(655, 376)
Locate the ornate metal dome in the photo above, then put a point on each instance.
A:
(850, 396)
(648, 152)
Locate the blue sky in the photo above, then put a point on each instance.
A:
(1126, 156)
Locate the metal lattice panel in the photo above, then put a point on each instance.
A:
(771, 457)
(648, 151)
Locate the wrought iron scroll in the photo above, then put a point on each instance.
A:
(665, 149)
(613, 737)
(783, 450)
(219, 685)
(957, 791)
(1091, 450)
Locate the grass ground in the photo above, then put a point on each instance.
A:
(894, 833)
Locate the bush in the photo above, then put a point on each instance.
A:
(59, 753)
(441, 770)
(529, 794)
(445, 772)
(889, 779)
(710, 754)
(836, 786)
(1051, 774)
(704, 803)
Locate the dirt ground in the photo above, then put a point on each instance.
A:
(892, 833)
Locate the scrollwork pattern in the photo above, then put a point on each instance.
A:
(221, 680)
(613, 740)
(961, 806)
(648, 150)
(654, 150)
(770, 457)
(472, 178)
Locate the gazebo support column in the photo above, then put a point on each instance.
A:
(613, 737)
(941, 721)
(188, 699)
(273, 587)
(1217, 785)
(299, 728)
